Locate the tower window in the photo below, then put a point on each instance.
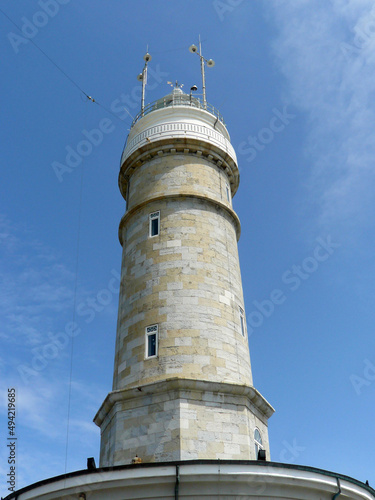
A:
(151, 341)
(127, 192)
(154, 223)
(242, 321)
(227, 189)
(258, 443)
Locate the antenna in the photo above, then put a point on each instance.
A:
(210, 63)
(142, 77)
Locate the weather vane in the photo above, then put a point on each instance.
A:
(210, 63)
(176, 84)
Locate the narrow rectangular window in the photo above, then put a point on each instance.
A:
(242, 321)
(151, 341)
(228, 193)
(127, 194)
(154, 222)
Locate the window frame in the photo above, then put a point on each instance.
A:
(150, 331)
(258, 443)
(228, 193)
(242, 321)
(151, 217)
(127, 192)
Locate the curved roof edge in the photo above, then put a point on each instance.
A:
(19, 494)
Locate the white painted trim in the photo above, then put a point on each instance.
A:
(199, 481)
(152, 216)
(174, 130)
(147, 335)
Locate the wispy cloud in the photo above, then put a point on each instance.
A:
(35, 286)
(334, 86)
(41, 424)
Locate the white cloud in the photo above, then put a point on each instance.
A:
(41, 421)
(35, 286)
(335, 89)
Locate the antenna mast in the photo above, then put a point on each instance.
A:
(202, 71)
(143, 78)
(210, 63)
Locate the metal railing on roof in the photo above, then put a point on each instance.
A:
(178, 100)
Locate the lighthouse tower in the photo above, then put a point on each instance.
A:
(183, 399)
(182, 386)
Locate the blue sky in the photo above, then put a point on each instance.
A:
(294, 81)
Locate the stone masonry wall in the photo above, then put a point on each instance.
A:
(182, 425)
(187, 280)
(177, 174)
(194, 399)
